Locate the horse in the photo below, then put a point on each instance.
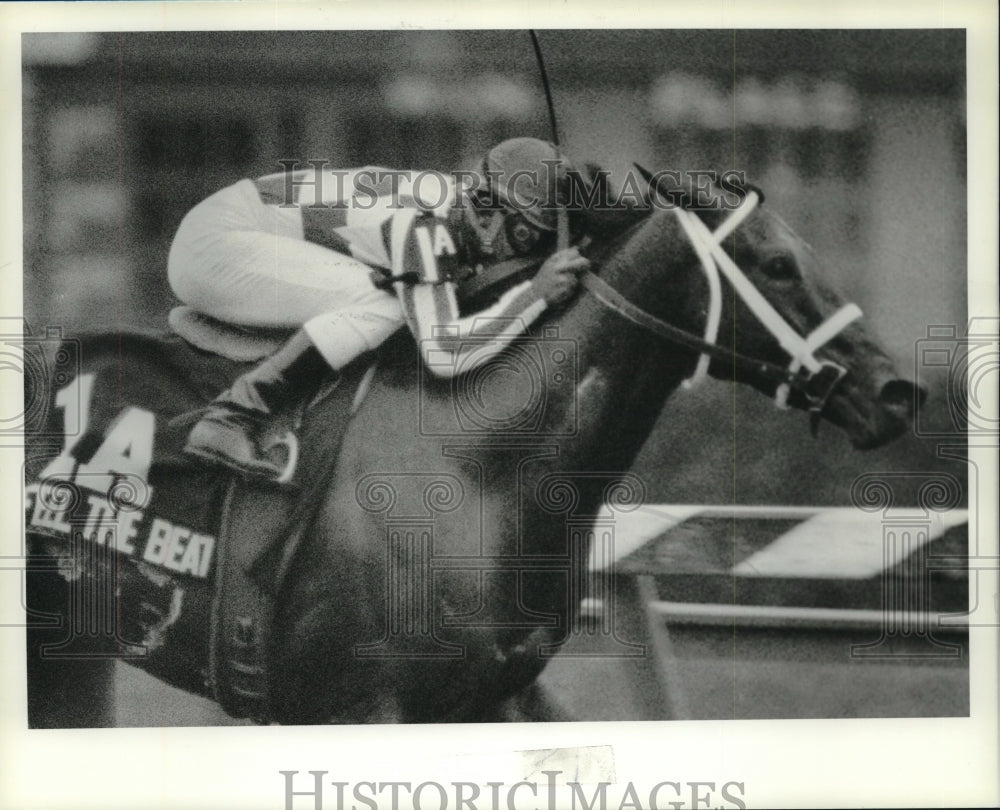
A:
(438, 577)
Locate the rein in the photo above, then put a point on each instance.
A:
(497, 274)
(620, 305)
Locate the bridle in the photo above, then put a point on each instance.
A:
(815, 379)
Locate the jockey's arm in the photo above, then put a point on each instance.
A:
(248, 256)
(451, 345)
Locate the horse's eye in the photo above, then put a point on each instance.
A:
(780, 268)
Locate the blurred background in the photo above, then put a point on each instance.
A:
(857, 138)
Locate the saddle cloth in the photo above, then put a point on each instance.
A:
(188, 557)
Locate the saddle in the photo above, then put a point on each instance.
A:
(223, 339)
(199, 555)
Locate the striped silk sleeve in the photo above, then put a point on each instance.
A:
(450, 345)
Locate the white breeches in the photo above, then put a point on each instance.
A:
(246, 263)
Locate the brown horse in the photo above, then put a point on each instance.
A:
(440, 577)
(440, 573)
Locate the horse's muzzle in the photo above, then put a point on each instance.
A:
(894, 410)
(872, 409)
(901, 398)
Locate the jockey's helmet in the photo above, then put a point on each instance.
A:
(528, 177)
(513, 208)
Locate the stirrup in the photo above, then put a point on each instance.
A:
(291, 443)
(288, 439)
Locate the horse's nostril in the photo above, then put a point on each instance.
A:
(902, 395)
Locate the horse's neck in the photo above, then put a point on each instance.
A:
(625, 374)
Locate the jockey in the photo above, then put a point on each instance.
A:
(349, 258)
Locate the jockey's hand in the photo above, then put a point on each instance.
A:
(558, 278)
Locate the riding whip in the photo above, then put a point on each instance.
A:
(562, 216)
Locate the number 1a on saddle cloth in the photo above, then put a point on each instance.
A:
(106, 468)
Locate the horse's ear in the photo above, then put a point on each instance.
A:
(645, 190)
(591, 176)
(669, 186)
(647, 175)
(686, 191)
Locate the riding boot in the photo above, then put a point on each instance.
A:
(230, 431)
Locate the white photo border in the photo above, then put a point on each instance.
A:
(919, 762)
